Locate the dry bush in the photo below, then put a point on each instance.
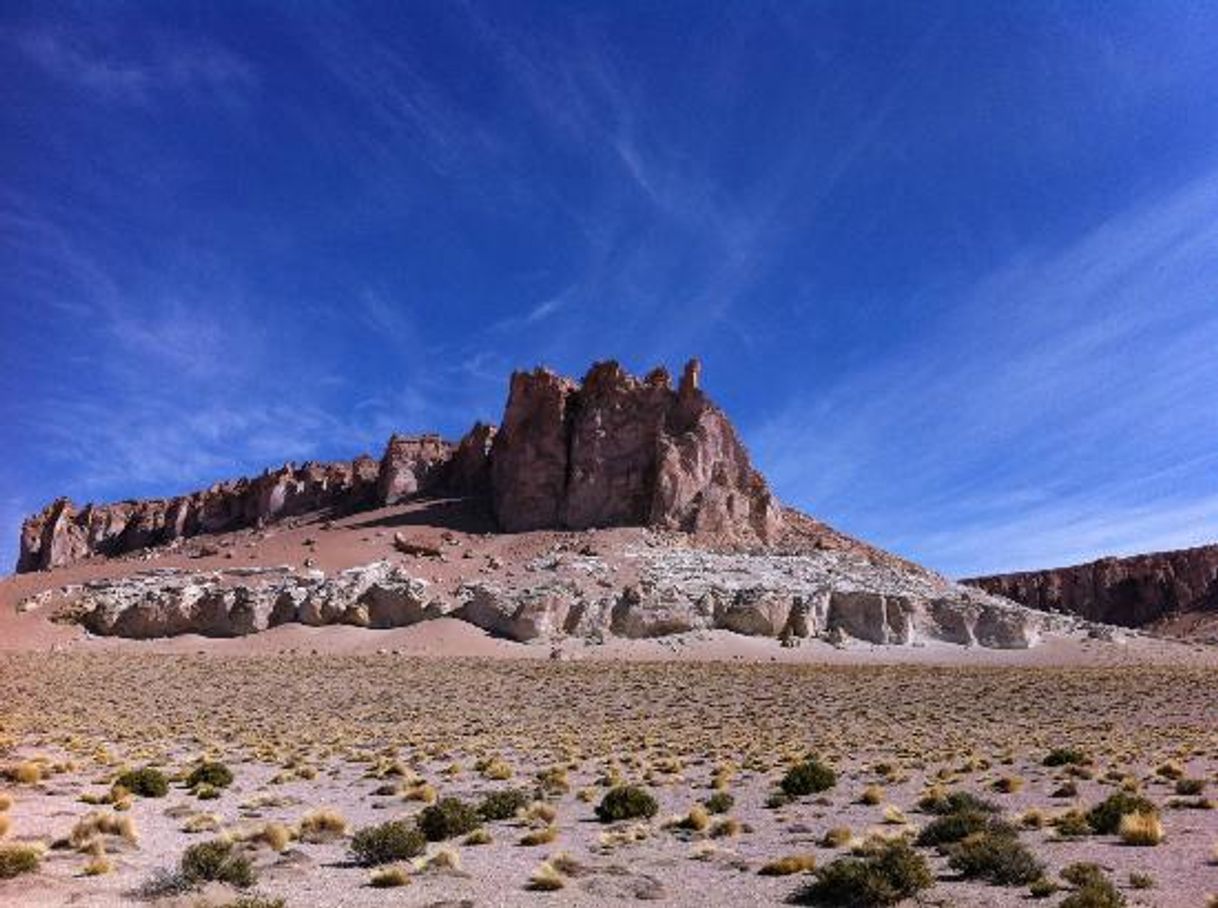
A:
(323, 825)
(96, 824)
(27, 772)
(1141, 829)
(389, 878)
(17, 858)
(543, 836)
(785, 866)
(546, 878)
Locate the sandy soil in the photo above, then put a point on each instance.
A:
(356, 720)
(357, 732)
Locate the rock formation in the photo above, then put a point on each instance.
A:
(838, 596)
(620, 451)
(1132, 592)
(614, 450)
(410, 466)
(61, 533)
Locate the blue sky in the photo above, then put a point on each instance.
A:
(952, 267)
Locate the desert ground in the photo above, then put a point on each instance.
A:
(322, 746)
(298, 766)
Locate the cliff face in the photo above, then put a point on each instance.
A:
(62, 533)
(1133, 591)
(618, 450)
(613, 450)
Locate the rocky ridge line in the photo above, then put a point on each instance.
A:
(1132, 592)
(610, 451)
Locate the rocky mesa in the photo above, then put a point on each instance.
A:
(1134, 592)
(640, 512)
(611, 450)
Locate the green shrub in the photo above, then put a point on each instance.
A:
(217, 775)
(626, 802)
(954, 827)
(396, 840)
(503, 805)
(17, 858)
(1072, 824)
(1043, 888)
(956, 802)
(1105, 818)
(1100, 893)
(147, 782)
(446, 818)
(1190, 786)
(809, 777)
(719, 802)
(1065, 756)
(1082, 873)
(255, 901)
(999, 859)
(217, 862)
(885, 874)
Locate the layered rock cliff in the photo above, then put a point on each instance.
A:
(63, 533)
(620, 451)
(574, 592)
(613, 450)
(1132, 592)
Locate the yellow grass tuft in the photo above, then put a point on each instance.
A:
(98, 866)
(322, 825)
(1141, 829)
(389, 878)
(93, 825)
(546, 878)
(542, 836)
(792, 863)
(26, 772)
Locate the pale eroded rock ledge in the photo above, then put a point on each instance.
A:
(831, 595)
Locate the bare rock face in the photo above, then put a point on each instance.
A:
(537, 613)
(1131, 592)
(468, 473)
(613, 450)
(62, 534)
(235, 604)
(529, 457)
(616, 450)
(410, 465)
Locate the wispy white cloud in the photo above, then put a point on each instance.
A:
(1053, 400)
(135, 73)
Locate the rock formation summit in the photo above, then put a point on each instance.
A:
(623, 507)
(610, 451)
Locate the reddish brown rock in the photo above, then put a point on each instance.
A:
(529, 457)
(1133, 591)
(61, 533)
(468, 473)
(616, 450)
(410, 465)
